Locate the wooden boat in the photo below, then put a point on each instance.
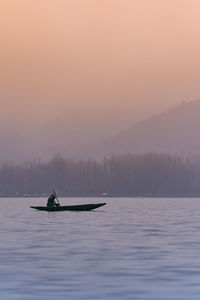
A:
(82, 207)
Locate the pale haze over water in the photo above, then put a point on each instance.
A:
(88, 69)
(132, 248)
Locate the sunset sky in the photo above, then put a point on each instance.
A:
(96, 66)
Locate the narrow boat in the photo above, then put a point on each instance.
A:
(82, 207)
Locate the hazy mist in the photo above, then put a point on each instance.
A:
(75, 72)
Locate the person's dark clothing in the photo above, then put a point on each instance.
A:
(51, 201)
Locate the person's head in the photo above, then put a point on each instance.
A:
(53, 196)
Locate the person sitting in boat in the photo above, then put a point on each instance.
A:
(51, 201)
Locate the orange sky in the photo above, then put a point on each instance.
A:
(98, 64)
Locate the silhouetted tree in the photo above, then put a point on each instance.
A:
(128, 174)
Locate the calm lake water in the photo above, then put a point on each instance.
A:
(129, 249)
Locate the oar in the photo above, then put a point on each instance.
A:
(56, 197)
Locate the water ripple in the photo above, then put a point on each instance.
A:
(130, 249)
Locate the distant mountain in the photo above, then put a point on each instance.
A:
(176, 131)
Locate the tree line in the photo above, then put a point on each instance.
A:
(117, 175)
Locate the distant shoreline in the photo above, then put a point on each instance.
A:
(107, 196)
